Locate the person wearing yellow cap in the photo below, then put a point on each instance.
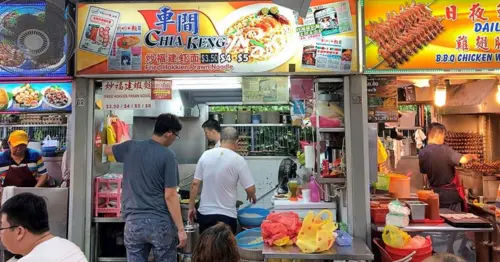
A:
(21, 166)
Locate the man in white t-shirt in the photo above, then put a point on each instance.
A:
(221, 170)
(24, 230)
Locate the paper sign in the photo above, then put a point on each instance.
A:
(126, 94)
(99, 31)
(162, 89)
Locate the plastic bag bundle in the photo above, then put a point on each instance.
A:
(281, 229)
(316, 234)
(343, 238)
(395, 237)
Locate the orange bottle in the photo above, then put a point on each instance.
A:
(433, 203)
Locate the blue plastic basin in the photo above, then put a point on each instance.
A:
(245, 238)
(252, 216)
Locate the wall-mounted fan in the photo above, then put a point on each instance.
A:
(36, 38)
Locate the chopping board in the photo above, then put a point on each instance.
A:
(477, 222)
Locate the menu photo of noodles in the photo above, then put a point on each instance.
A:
(126, 51)
(260, 37)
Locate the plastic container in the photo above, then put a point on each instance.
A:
(383, 182)
(378, 214)
(252, 216)
(105, 193)
(244, 117)
(249, 246)
(251, 239)
(256, 119)
(417, 209)
(420, 255)
(400, 186)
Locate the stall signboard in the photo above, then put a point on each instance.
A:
(215, 37)
(265, 90)
(35, 97)
(432, 35)
(161, 89)
(382, 99)
(127, 94)
(17, 60)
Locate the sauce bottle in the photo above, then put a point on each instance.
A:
(433, 202)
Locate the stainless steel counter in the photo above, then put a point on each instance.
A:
(443, 227)
(358, 251)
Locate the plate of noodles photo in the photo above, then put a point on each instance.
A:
(261, 36)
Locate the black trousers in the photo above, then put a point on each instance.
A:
(206, 221)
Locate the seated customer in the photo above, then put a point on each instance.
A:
(217, 243)
(25, 231)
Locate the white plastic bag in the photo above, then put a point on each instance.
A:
(49, 142)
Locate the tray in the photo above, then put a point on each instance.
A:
(428, 221)
(466, 222)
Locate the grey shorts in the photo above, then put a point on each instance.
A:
(144, 235)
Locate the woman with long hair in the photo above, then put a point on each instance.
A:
(217, 243)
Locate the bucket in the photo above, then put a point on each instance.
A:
(244, 117)
(420, 255)
(400, 186)
(272, 117)
(256, 119)
(229, 118)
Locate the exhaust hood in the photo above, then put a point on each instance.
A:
(474, 97)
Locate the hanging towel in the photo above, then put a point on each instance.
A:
(111, 137)
(419, 138)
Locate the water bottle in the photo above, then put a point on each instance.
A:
(314, 189)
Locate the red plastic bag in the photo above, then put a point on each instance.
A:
(278, 226)
(326, 122)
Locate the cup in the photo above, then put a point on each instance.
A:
(481, 199)
(306, 195)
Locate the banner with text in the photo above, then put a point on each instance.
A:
(127, 94)
(445, 34)
(215, 37)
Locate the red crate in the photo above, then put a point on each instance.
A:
(378, 214)
(107, 191)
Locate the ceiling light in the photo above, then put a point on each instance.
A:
(440, 96)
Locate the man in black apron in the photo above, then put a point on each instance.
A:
(21, 166)
(437, 164)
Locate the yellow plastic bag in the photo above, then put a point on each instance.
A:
(316, 234)
(284, 241)
(395, 237)
(381, 152)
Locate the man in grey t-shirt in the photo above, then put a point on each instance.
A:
(150, 204)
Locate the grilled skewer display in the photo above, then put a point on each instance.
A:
(466, 143)
(401, 35)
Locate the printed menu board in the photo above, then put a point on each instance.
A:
(382, 99)
(444, 34)
(35, 97)
(215, 37)
(265, 90)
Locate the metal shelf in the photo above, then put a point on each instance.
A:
(112, 259)
(107, 220)
(48, 125)
(332, 130)
(253, 125)
(331, 180)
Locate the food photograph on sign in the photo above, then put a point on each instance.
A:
(442, 34)
(215, 37)
(35, 97)
(27, 46)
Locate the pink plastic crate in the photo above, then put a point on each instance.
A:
(107, 191)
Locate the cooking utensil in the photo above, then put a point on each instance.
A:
(261, 197)
(193, 235)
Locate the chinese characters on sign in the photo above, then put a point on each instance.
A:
(483, 25)
(126, 94)
(445, 35)
(162, 89)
